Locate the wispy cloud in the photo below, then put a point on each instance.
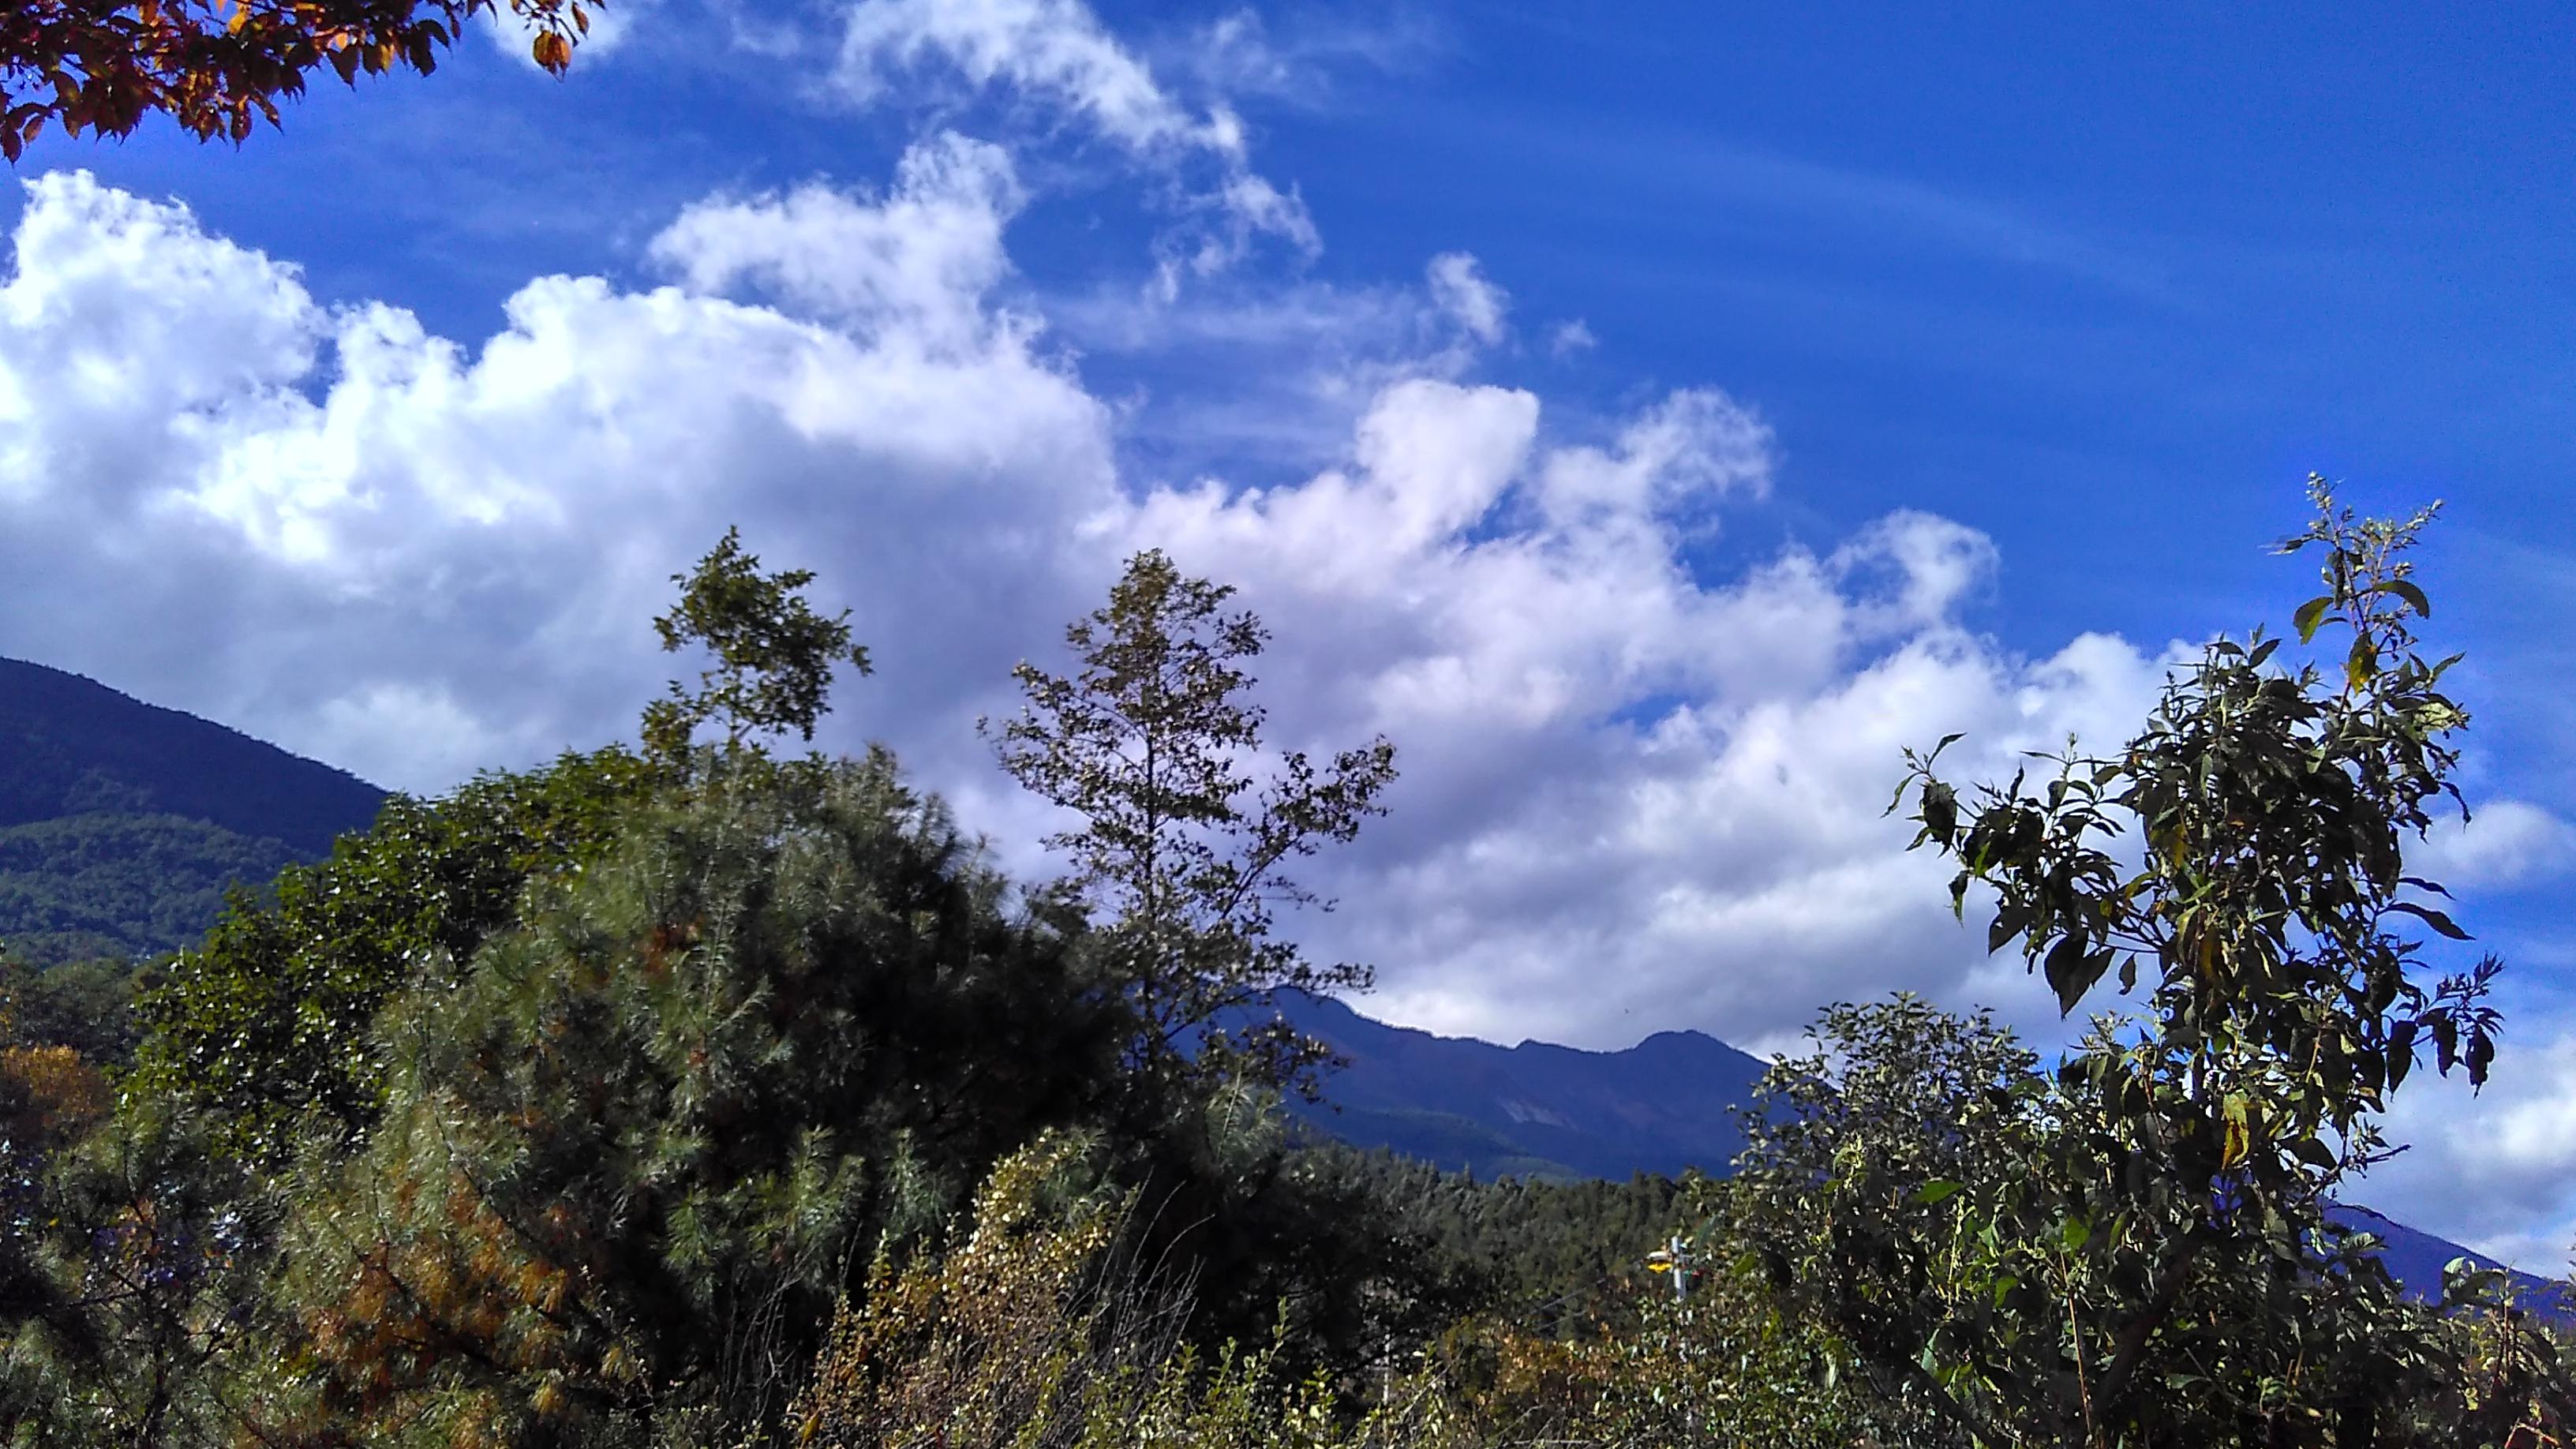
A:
(1724, 182)
(1057, 57)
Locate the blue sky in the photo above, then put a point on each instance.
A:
(1649, 418)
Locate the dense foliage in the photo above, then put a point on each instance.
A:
(1038, 1330)
(88, 887)
(87, 1006)
(636, 1154)
(1554, 1257)
(267, 1020)
(2134, 1249)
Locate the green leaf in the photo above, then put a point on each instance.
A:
(2310, 615)
(2433, 918)
(2411, 594)
(1935, 1192)
(2070, 972)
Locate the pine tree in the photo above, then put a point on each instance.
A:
(627, 1166)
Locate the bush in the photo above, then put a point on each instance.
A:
(1036, 1332)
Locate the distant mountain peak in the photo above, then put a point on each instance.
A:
(1664, 1105)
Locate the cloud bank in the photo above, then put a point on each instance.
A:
(1631, 794)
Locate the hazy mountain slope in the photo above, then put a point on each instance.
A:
(72, 746)
(2417, 1258)
(1664, 1105)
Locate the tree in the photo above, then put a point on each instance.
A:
(1187, 823)
(628, 1164)
(1918, 1189)
(217, 66)
(265, 1024)
(143, 1241)
(774, 655)
(87, 1006)
(2244, 855)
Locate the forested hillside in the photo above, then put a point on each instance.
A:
(122, 824)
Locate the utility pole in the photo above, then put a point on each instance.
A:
(1673, 1258)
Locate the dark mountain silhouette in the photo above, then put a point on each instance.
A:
(123, 823)
(1661, 1106)
(73, 746)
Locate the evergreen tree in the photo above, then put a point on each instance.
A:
(628, 1163)
(266, 1023)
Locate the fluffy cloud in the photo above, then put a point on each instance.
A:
(1056, 50)
(1631, 798)
(914, 269)
(2516, 1142)
(375, 547)
(2504, 843)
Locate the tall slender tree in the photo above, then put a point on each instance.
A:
(1188, 822)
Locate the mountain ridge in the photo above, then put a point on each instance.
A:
(1459, 1121)
(1537, 1108)
(77, 747)
(124, 823)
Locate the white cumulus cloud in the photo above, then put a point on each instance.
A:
(1631, 793)
(411, 558)
(2503, 843)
